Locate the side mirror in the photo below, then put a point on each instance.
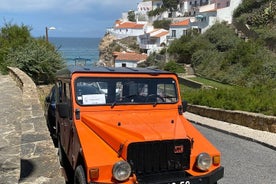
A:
(182, 108)
(63, 110)
(184, 105)
(47, 99)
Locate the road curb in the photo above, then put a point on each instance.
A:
(264, 138)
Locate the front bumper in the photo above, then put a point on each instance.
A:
(210, 178)
(177, 178)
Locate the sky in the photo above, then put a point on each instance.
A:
(71, 18)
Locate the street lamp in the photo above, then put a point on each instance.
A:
(46, 29)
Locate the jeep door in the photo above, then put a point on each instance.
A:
(65, 120)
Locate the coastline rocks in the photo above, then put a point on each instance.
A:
(106, 48)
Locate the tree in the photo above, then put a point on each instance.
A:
(170, 4)
(36, 57)
(182, 49)
(38, 60)
(165, 24)
(131, 16)
(11, 37)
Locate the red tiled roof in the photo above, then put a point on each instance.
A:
(181, 23)
(129, 25)
(129, 56)
(154, 33)
(161, 34)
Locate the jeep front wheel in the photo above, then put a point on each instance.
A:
(79, 177)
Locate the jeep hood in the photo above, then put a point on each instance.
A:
(120, 129)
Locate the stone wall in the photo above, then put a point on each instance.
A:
(27, 86)
(251, 120)
(38, 155)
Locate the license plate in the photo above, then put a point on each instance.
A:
(180, 182)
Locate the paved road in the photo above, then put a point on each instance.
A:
(27, 154)
(10, 140)
(244, 161)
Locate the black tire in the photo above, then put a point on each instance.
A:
(79, 177)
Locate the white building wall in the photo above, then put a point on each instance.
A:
(179, 31)
(207, 7)
(130, 64)
(225, 14)
(212, 21)
(144, 7)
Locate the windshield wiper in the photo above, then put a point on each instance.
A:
(155, 104)
(113, 104)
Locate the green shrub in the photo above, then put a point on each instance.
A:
(256, 99)
(37, 59)
(165, 24)
(172, 66)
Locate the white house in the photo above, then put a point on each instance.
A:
(226, 13)
(153, 41)
(190, 7)
(123, 29)
(204, 20)
(128, 59)
(180, 28)
(221, 9)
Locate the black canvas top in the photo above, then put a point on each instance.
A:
(68, 71)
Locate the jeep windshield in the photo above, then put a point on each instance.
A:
(117, 91)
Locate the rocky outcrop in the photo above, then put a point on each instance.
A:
(106, 48)
(110, 44)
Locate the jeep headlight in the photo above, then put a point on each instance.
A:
(121, 170)
(203, 161)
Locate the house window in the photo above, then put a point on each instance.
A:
(173, 33)
(227, 4)
(123, 64)
(185, 32)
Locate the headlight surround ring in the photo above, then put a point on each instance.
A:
(121, 171)
(204, 161)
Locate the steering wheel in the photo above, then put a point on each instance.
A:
(155, 97)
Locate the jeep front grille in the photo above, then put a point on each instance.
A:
(159, 156)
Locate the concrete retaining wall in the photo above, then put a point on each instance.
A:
(251, 120)
(189, 83)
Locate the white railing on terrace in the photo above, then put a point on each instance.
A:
(148, 46)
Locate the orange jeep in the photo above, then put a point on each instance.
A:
(126, 125)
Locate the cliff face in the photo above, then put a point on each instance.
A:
(106, 48)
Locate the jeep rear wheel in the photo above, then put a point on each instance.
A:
(79, 177)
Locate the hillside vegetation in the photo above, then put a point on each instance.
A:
(248, 63)
(36, 57)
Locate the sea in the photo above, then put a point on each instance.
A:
(77, 50)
